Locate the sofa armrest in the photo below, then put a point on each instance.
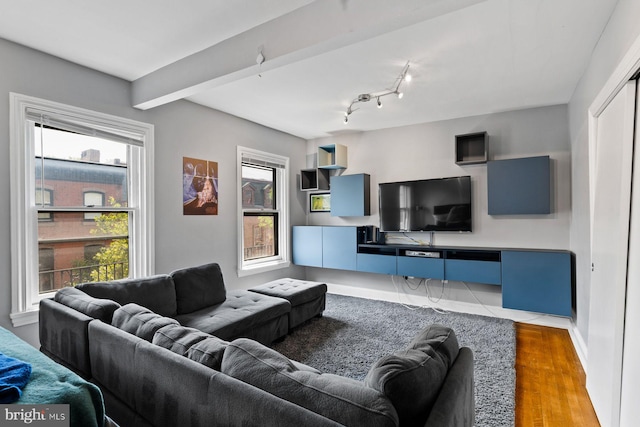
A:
(455, 405)
(64, 336)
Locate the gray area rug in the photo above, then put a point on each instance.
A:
(356, 332)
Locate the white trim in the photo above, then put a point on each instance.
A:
(629, 64)
(24, 257)
(282, 200)
(579, 345)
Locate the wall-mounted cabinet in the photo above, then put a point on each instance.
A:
(325, 246)
(332, 156)
(314, 179)
(537, 281)
(532, 280)
(472, 148)
(519, 186)
(350, 195)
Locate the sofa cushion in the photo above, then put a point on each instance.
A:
(343, 400)
(98, 308)
(198, 287)
(140, 321)
(157, 293)
(412, 378)
(241, 312)
(191, 343)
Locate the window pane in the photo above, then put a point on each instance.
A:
(71, 165)
(260, 236)
(93, 198)
(44, 197)
(73, 251)
(257, 187)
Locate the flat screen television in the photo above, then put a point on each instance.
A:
(442, 204)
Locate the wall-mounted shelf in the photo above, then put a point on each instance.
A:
(332, 156)
(472, 148)
(314, 179)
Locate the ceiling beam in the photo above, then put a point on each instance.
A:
(319, 27)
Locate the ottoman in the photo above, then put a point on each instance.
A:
(307, 298)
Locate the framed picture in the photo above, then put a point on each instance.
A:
(320, 202)
(199, 187)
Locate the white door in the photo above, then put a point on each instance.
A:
(630, 365)
(610, 244)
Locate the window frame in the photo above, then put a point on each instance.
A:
(25, 296)
(281, 206)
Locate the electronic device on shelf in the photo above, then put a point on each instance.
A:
(442, 204)
(423, 254)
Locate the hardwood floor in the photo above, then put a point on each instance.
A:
(550, 381)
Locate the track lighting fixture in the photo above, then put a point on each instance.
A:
(395, 89)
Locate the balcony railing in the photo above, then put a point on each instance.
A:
(261, 251)
(56, 279)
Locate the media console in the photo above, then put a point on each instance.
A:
(530, 279)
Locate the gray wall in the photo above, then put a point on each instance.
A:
(620, 33)
(181, 129)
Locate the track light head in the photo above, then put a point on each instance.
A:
(407, 78)
(379, 103)
(400, 95)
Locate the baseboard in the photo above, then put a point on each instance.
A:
(459, 307)
(579, 345)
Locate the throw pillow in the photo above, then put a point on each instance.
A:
(441, 339)
(198, 287)
(98, 308)
(343, 400)
(412, 379)
(140, 321)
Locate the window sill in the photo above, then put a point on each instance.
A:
(24, 318)
(262, 268)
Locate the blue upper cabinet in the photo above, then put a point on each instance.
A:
(519, 186)
(350, 195)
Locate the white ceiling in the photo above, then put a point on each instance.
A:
(467, 57)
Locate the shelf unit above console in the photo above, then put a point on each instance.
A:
(332, 156)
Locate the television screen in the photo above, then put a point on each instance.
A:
(426, 205)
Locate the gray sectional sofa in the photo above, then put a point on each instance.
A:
(158, 364)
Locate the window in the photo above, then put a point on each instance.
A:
(44, 197)
(263, 205)
(92, 199)
(82, 194)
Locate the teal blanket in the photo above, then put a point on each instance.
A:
(53, 383)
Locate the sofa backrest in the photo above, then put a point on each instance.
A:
(157, 293)
(166, 389)
(198, 287)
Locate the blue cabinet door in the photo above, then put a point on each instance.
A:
(339, 247)
(350, 195)
(487, 272)
(427, 268)
(374, 263)
(307, 245)
(537, 281)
